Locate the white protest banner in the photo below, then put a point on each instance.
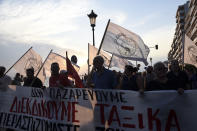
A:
(76, 109)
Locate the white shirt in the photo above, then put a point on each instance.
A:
(4, 82)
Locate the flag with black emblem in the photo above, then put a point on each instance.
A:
(124, 44)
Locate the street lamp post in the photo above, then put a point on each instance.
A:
(156, 47)
(92, 16)
(151, 61)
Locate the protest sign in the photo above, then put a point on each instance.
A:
(54, 109)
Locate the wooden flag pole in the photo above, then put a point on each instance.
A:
(17, 61)
(110, 61)
(103, 37)
(41, 68)
(66, 54)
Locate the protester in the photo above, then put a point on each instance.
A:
(177, 77)
(144, 79)
(17, 80)
(162, 82)
(135, 71)
(191, 73)
(4, 79)
(31, 80)
(130, 81)
(100, 77)
(4, 82)
(118, 78)
(85, 79)
(57, 79)
(65, 73)
(150, 75)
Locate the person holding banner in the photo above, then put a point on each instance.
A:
(130, 81)
(100, 77)
(4, 82)
(4, 79)
(162, 82)
(31, 80)
(17, 80)
(177, 77)
(191, 73)
(57, 79)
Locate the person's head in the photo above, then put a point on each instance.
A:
(174, 66)
(55, 68)
(64, 72)
(160, 70)
(2, 70)
(190, 69)
(17, 75)
(135, 70)
(98, 62)
(128, 70)
(30, 72)
(149, 69)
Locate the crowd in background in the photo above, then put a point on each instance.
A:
(158, 77)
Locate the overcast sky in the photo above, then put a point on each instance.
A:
(63, 25)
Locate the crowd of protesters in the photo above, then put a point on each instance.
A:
(158, 77)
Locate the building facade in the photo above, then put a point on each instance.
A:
(191, 21)
(177, 47)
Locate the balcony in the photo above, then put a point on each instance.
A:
(192, 9)
(190, 4)
(187, 26)
(195, 2)
(195, 14)
(195, 40)
(194, 30)
(193, 19)
(193, 22)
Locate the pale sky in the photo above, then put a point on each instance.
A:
(63, 25)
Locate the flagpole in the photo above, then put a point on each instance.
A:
(103, 37)
(183, 44)
(66, 62)
(17, 61)
(88, 60)
(41, 68)
(66, 54)
(110, 61)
